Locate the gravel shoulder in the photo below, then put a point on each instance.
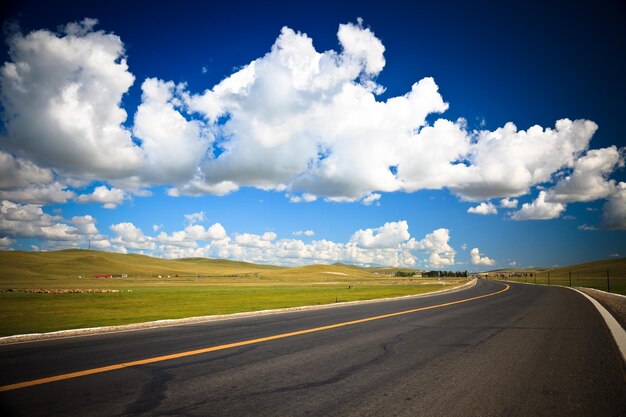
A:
(614, 303)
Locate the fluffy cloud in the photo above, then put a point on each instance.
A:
(177, 244)
(129, 236)
(172, 146)
(435, 243)
(588, 180)
(86, 225)
(614, 210)
(193, 233)
(401, 252)
(483, 209)
(296, 120)
(39, 194)
(307, 121)
(369, 199)
(19, 173)
(5, 243)
(362, 45)
(480, 260)
(72, 84)
(109, 197)
(508, 161)
(390, 235)
(255, 241)
(24, 182)
(510, 203)
(540, 209)
(62, 95)
(19, 221)
(326, 134)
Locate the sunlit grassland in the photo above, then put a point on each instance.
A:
(185, 288)
(606, 275)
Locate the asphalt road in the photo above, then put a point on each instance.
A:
(527, 351)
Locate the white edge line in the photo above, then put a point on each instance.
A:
(91, 331)
(618, 333)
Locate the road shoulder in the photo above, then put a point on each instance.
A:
(616, 329)
(614, 303)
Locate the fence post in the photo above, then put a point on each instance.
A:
(548, 277)
(570, 278)
(608, 282)
(535, 277)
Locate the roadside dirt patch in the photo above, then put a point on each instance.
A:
(615, 304)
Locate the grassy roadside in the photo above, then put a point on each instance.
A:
(149, 289)
(33, 313)
(606, 275)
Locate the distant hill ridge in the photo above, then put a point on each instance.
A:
(83, 262)
(617, 263)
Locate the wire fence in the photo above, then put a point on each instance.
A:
(611, 280)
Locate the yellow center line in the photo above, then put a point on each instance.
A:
(229, 345)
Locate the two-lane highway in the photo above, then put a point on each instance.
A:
(488, 350)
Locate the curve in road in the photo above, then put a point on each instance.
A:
(527, 351)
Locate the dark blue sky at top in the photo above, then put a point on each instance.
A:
(525, 62)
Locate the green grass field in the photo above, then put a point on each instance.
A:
(31, 313)
(185, 288)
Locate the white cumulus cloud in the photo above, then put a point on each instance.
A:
(369, 199)
(213, 242)
(110, 198)
(39, 194)
(588, 181)
(390, 235)
(509, 203)
(437, 245)
(296, 120)
(540, 209)
(172, 145)
(6, 242)
(71, 84)
(483, 209)
(19, 173)
(614, 210)
(480, 260)
(27, 221)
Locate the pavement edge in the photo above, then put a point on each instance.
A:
(617, 331)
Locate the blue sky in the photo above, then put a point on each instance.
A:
(295, 134)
